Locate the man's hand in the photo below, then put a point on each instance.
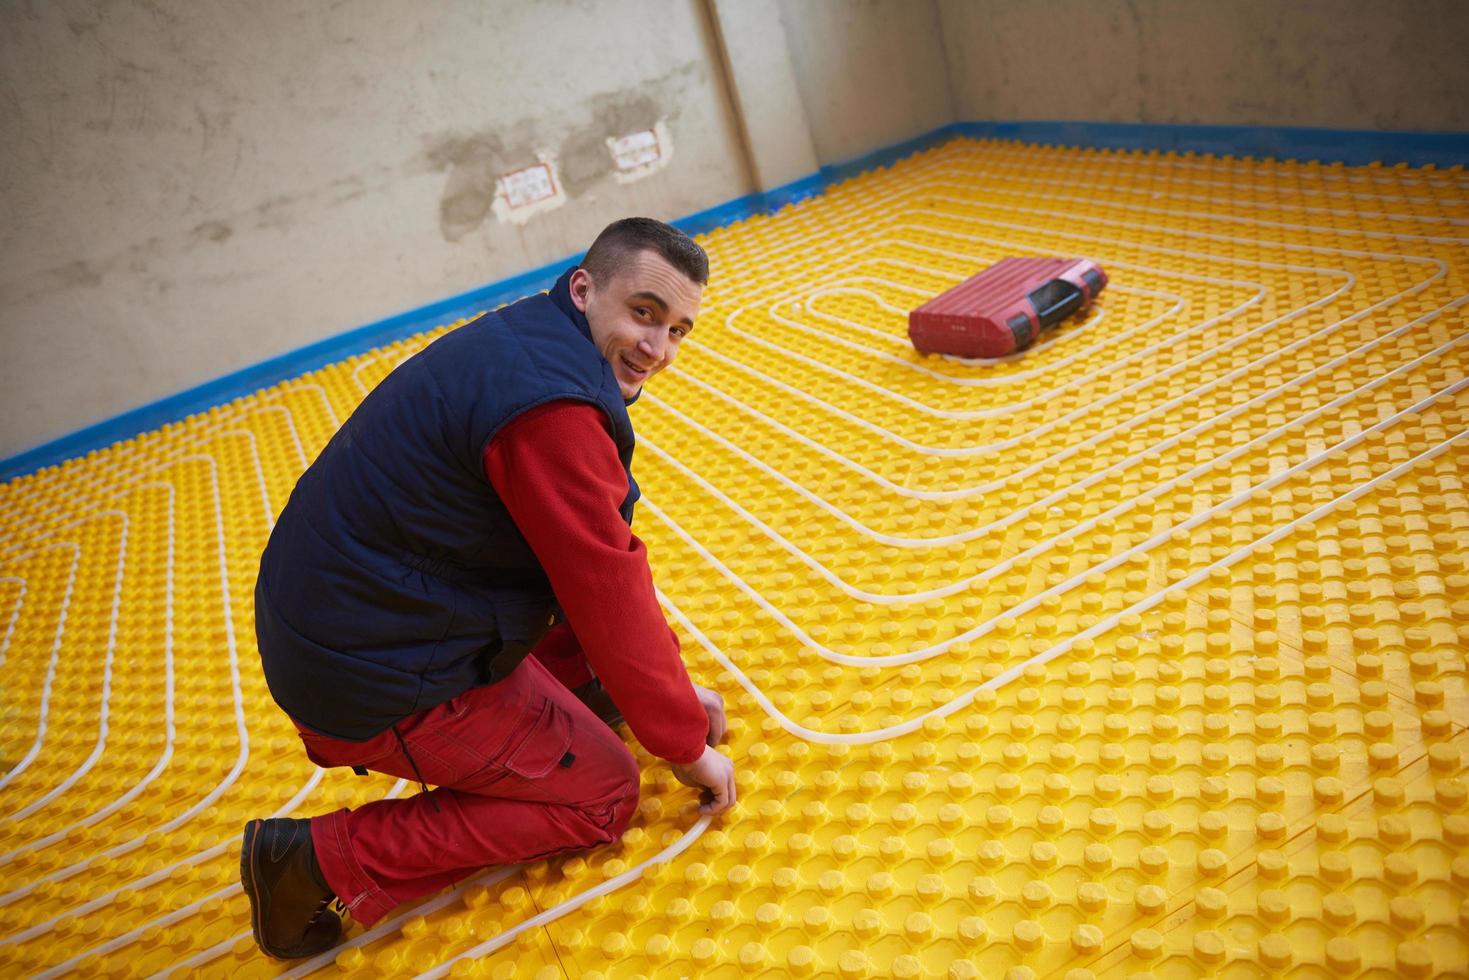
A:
(714, 774)
(713, 703)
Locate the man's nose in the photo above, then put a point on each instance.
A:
(653, 348)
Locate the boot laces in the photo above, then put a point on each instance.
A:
(328, 900)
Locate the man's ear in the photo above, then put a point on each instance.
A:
(581, 283)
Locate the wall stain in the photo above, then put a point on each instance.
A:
(282, 212)
(76, 274)
(476, 160)
(583, 156)
(79, 274)
(213, 231)
(81, 27)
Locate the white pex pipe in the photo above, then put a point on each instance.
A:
(983, 629)
(861, 738)
(699, 829)
(1039, 547)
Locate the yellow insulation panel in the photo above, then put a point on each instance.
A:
(1141, 654)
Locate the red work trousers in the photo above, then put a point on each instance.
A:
(524, 771)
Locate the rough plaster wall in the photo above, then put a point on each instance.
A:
(762, 81)
(192, 186)
(1348, 64)
(871, 72)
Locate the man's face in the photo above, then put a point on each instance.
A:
(639, 317)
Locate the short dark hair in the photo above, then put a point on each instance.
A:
(628, 236)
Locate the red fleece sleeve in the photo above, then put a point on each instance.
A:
(556, 469)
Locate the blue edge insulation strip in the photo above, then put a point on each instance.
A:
(1350, 147)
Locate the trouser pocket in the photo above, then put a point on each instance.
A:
(546, 744)
(476, 741)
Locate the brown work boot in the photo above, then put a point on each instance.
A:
(595, 696)
(288, 896)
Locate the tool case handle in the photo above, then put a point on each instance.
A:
(1055, 301)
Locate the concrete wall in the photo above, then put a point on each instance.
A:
(870, 72)
(1348, 64)
(757, 62)
(192, 186)
(817, 82)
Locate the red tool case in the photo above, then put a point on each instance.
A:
(1004, 308)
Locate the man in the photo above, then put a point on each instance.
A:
(475, 509)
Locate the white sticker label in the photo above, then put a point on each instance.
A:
(641, 154)
(636, 149)
(525, 187)
(522, 194)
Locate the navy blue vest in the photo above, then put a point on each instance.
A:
(395, 578)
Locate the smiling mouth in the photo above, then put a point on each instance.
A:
(632, 369)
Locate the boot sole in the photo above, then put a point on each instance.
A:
(247, 879)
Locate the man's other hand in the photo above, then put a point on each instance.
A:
(714, 774)
(713, 703)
